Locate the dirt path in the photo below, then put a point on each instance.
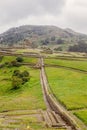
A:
(58, 115)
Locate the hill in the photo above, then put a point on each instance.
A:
(35, 36)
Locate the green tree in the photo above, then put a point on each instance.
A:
(19, 59)
(19, 78)
(16, 82)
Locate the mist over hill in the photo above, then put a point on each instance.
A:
(39, 36)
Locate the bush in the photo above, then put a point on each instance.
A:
(19, 78)
(14, 63)
(16, 73)
(19, 59)
(53, 38)
(79, 48)
(25, 74)
(60, 41)
(16, 82)
(2, 65)
(6, 63)
(25, 79)
(1, 57)
(58, 49)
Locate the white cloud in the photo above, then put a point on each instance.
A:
(62, 13)
(76, 15)
(12, 10)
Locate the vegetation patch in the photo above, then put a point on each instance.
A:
(19, 59)
(82, 65)
(9, 59)
(82, 115)
(19, 78)
(29, 96)
(69, 87)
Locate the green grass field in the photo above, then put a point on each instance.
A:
(25, 59)
(69, 87)
(30, 60)
(82, 114)
(28, 97)
(82, 65)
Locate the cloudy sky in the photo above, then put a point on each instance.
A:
(62, 13)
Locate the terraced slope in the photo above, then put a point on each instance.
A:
(20, 109)
(24, 108)
(70, 63)
(59, 113)
(69, 86)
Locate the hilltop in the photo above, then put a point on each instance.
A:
(38, 36)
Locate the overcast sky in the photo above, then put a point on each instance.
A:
(62, 13)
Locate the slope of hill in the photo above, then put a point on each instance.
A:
(42, 35)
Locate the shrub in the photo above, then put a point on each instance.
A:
(16, 82)
(19, 59)
(53, 38)
(2, 65)
(25, 79)
(14, 63)
(1, 57)
(60, 41)
(25, 74)
(16, 73)
(6, 63)
(19, 78)
(58, 49)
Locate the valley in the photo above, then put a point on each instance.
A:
(60, 76)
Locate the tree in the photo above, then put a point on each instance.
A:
(59, 41)
(58, 49)
(14, 63)
(53, 38)
(19, 78)
(25, 74)
(16, 73)
(79, 48)
(45, 42)
(16, 82)
(1, 57)
(19, 59)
